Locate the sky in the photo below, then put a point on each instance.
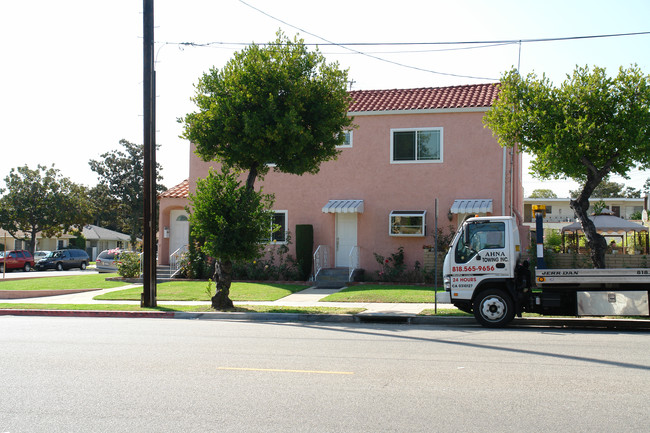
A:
(71, 71)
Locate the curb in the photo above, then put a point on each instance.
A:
(378, 318)
(88, 313)
(268, 317)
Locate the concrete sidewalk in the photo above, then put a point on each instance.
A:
(401, 313)
(309, 297)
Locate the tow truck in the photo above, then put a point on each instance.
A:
(484, 274)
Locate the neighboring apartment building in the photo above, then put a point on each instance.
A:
(560, 214)
(410, 147)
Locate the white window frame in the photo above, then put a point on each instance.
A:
(286, 226)
(348, 145)
(408, 213)
(417, 161)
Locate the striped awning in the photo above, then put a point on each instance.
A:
(343, 206)
(472, 206)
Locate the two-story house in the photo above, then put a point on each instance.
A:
(409, 148)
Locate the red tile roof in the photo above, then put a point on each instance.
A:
(182, 190)
(476, 95)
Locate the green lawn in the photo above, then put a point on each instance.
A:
(383, 293)
(197, 291)
(183, 308)
(444, 312)
(71, 282)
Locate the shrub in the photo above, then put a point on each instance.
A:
(553, 241)
(276, 265)
(394, 270)
(195, 264)
(392, 267)
(129, 265)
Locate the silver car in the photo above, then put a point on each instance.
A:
(38, 255)
(107, 260)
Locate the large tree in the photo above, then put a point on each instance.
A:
(121, 176)
(232, 221)
(609, 189)
(276, 104)
(589, 127)
(41, 200)
(543, 193)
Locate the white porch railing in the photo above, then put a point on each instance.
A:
(174, 259)
(321, 259)
(354, 261)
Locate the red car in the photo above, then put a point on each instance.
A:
(16, 259)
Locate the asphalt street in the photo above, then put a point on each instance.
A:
(147, 375)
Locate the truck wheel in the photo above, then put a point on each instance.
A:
(494, 308)
(27, 267)
(83, 266)
(59, 267)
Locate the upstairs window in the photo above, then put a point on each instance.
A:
(407, 223)
(416, 145)
(348, 139)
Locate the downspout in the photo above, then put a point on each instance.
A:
(503, 183)
(512, 179)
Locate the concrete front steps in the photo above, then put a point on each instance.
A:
(163, 272)
(333, 278)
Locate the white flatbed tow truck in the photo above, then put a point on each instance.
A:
(485, 275)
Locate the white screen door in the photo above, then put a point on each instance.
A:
(346, 237)
(180, 230)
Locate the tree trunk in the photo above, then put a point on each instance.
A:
(252, 175)
(596, 241)
(222, 279)
(32, 241)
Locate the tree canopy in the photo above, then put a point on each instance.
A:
(278, 103)
(609, 189)
(41, 200)
(589, 127)
(232, 221)
(121, 177)
(543, 193)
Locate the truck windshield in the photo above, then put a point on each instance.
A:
(478, 236)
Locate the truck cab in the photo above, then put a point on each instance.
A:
(483, 272)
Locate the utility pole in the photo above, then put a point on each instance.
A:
(149, 94)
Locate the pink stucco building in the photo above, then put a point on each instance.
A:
(409, 147)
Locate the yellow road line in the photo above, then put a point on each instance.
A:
(279, 370)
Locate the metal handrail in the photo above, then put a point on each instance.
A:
(353, 261)
(174, 259)
(321, 259)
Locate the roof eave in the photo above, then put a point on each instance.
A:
(421, 111)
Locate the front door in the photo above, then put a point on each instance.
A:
(346, 237)
(179, 230)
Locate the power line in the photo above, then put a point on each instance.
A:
(484, 43)
(347, 45)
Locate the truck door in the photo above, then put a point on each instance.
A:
(482, 250)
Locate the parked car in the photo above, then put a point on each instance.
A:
(38, 255)
(16, 259)
(64, 259)
(107, 260)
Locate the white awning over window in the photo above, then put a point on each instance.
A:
(472, 206)
(343, 206)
